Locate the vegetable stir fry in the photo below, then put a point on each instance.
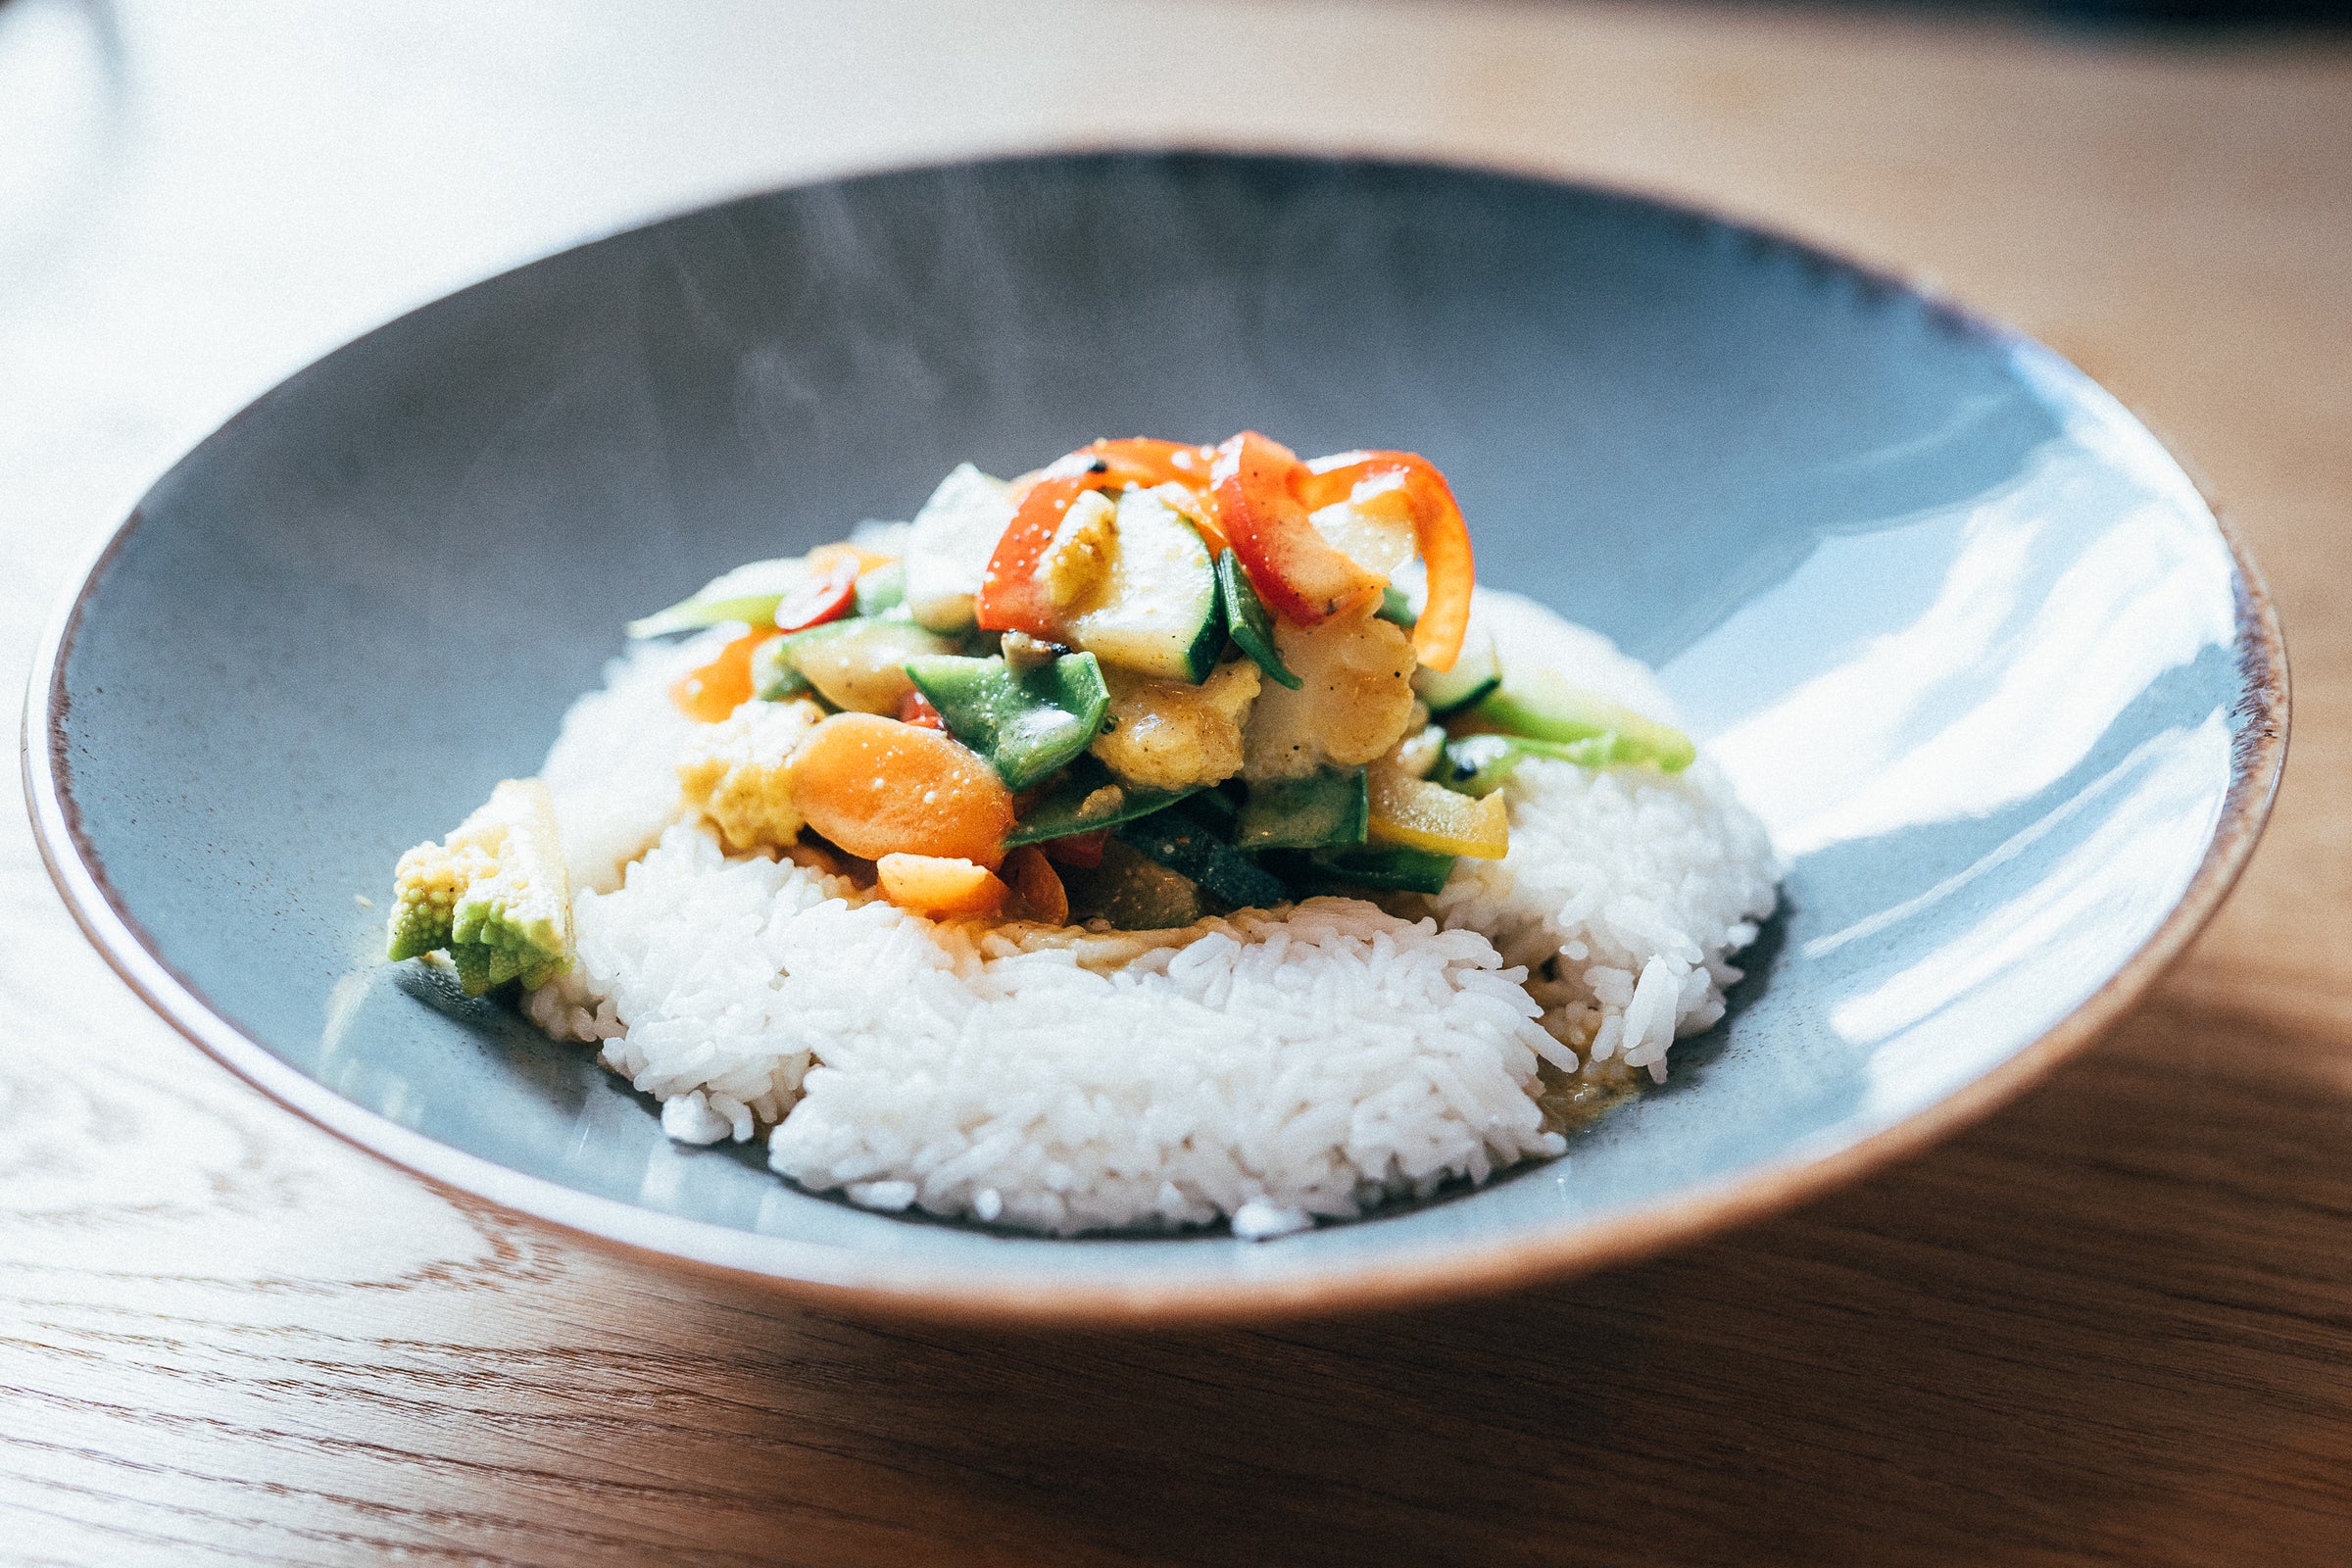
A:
(1183, 672)
(1147, 682)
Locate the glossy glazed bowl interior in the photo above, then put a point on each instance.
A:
(1956, 625)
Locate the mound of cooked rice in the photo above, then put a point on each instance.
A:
(1269, 1067)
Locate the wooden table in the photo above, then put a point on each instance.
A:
(2112, 1324)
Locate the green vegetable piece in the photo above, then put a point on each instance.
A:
(1475, 674)
(1182, 843)
(774, 676)
(1539, 705)
(494, 895)
(1390, 867)
(1028, 723)
(1394, 605)
(1213, 809)
(1132, 892)
(1332, 806)
(749, 594)
(1084, 798)
(1247, 620)
(881, 588)
(1478, 765)
(858, 664)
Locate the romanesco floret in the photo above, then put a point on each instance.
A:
(494, 895)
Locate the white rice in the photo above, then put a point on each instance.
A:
(1639, 885)
(1268, 1068)
(613, 768)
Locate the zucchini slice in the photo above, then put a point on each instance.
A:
(774, 676)
(1391, 866)
(949, 544)
(1329, 808)
(1155, 612)
(858, 665)
(1478, 765)
(1132, 892)
(882, 588)
(1476, 673)
(1186, 844)
(1541, 706)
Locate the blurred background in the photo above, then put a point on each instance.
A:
(196, 199)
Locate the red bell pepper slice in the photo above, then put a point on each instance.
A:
(1256, 491)
(1012, 597)
(1439, 535)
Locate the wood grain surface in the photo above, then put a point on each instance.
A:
(2111, 1324)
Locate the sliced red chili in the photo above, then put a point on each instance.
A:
(827, 594)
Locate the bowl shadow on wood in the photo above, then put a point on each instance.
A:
(2053, 1301)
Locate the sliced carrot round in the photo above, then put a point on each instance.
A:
(878, 787)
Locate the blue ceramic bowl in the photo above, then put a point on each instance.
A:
(2008, 696)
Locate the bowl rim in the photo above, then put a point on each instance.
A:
(839, 1277)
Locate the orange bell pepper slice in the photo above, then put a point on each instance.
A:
(1439, 535)
(1011, 596)
(1256, 490)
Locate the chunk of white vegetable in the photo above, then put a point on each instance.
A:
(949, 545)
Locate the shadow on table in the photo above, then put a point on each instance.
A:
(2079, 1329)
